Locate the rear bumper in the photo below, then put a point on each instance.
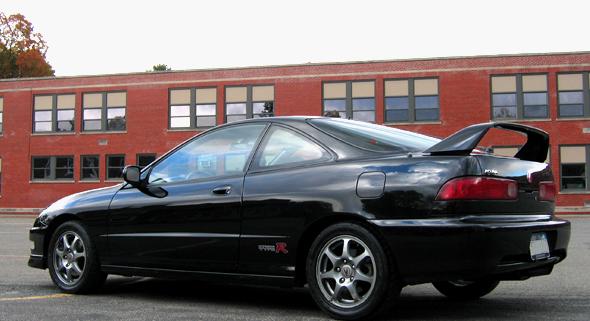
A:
(469, 247)
(37, 258)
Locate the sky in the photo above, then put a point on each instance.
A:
(100, 37)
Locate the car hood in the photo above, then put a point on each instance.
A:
(94, 199)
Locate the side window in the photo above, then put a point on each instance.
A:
(284, 147)
(220, 153)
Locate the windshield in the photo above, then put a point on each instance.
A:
(374, 137)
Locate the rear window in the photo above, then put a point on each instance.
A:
(373, 137)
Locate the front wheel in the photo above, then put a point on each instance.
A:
(349, 273)
(73, 261)
(466, 290)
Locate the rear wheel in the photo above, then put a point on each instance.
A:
(73, 261)
(349, 274)
(466, 290)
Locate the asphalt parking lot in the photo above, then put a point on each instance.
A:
(28, 294)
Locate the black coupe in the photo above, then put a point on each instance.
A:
(354, 210)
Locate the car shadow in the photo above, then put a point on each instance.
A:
(412, 306)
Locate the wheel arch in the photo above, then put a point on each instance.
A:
(314, 229)
(53, 225)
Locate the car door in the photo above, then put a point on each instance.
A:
(187, 217)
(290, 180)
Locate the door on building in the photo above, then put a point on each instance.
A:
(188, 215)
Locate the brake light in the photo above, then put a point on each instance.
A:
(478, 188)
(547, 191)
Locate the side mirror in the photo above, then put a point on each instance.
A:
(132, 175)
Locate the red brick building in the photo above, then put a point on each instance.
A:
(67, 134)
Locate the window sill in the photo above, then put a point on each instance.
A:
(54, 134)
(88, 181)
(581, 192)
(114, 181)
(572, 118)
(52, 182)
(103, 132)
(523, 120)
(183, 129)
(415, 123)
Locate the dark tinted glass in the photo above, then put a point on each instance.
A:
(535, 111)
(426, 114)
(374, 137)
(394, 115)
(90, 167)
(573, 169)
(571, 110)
(115, 165)
(145, 160)
(573, 183)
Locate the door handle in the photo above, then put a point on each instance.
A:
(222, 190)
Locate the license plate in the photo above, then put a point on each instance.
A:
(539, 246)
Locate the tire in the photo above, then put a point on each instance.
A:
(332, 274)
(73, 265)
(466, 290)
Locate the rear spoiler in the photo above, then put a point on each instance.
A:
(464, 141)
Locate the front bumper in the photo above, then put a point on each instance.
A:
(38, 259)
(471, 247)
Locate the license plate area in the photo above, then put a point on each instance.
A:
(539, 246)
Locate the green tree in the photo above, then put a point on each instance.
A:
(161, 67)
(22, 51)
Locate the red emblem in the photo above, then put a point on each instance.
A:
(281, 248)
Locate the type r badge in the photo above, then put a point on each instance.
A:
(279, 247)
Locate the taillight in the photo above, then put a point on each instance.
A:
(478, 188)
(547, 191)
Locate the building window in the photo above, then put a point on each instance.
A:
(573, 97)
(574, 171)
(144, 160)
(54, 113)
(519, 97)
(350, 99)
(411, 100)
(242, 102)
(115, 165)
(52, 168)
(193, 108)
(104, 111)
(90, 167)
(1, 115)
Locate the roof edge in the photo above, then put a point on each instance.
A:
(354, 62)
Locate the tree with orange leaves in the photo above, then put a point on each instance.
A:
(22, 51)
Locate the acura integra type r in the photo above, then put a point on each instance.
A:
(354, 210)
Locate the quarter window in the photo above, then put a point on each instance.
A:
(218, 153)
(54, 113)
(284, 147)
(90, 165)
(519, 97)
(573, 95)
(350, 99)
(144, 160)
(411, 100)
(193, 107)
(243, 102)
(104, 111)
(574, 167)
(52, 168)
(115, 165)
